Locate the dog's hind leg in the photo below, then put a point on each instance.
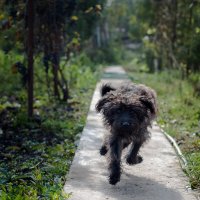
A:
(114, 160)
(133, 157)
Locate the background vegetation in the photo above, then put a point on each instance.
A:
(41, 119)
(36, 148)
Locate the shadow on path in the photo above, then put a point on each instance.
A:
(130, 187)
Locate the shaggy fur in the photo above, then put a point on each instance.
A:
(127, 112)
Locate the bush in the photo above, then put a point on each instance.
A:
(195, 81)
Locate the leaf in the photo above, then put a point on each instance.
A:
(24, 176)
(90, 9)
(2, 16)
(191, 5)
(3, 180)
(13, 148)
(197, 30)
(74, 18)
(98, 7)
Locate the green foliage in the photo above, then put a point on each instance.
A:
(179, 112)
(194, 168)
(74, 73)
(36, 165)
(37, 153)
(88, 14)
(168, 30)
(60, 27)
(7, 75)
(59, 17)
(195, 81)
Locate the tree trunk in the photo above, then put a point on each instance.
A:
(174, 23)
(64, 86)
(190, 17)
(55, 75)
(30, 47)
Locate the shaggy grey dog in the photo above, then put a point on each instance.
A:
(127, 112)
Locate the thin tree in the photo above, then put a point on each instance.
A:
(30, 50)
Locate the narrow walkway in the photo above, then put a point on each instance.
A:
(158, 177)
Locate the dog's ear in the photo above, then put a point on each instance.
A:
(100, 104)
(105, 89)
(149, 104)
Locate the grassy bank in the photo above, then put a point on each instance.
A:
(36, 154)
(179, 112)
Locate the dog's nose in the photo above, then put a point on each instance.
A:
(125, 124)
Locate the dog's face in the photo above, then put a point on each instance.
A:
(126, 108)
(122, 117)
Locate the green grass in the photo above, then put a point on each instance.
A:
(36, 154)
(179, 112)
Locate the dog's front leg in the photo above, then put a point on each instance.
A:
(133, 157)
(104, 148)
(114, 160)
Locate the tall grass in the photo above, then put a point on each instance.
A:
(179, 111)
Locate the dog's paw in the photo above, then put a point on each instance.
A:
(103, 150)
(113, 179)
(133, 161)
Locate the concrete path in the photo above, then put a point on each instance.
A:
(158, 177)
